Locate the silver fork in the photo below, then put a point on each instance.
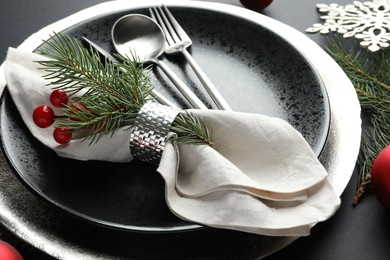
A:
(177, 40)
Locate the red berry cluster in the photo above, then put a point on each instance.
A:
(44, 116)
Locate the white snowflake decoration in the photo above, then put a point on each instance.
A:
(369, 22)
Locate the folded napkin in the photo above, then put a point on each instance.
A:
(260, 176)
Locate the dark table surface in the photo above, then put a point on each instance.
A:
(361, 232)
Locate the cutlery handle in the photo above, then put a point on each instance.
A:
(187, 93)
(162, 100)
(208, 85)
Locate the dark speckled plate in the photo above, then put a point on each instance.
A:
(255, 70)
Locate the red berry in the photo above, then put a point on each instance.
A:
(59, 98)
(380, 177)
(256, 5)
(62, 135)
(8, 252)
(43, 116)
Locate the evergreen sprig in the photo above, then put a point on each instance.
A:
(105, 96)
(191, 130)
(370, 75)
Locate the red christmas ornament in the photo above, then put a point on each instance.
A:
(256, 5)
(59, 98)
(43, 116)
(8, 252)
(380, 177)
(62, 135)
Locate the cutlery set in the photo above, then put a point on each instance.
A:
(150, 37)
(177, 41)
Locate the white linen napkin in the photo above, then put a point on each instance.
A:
(260, 176)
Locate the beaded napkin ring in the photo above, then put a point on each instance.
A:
(150, 131)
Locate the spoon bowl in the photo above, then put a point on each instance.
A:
(146, 39)
(137, 36)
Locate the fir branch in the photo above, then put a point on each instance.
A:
(105, 96)
(370, 76)
(191, 130)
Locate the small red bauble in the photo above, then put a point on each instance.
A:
(256, 5)
(380, 177)
(8, 252)
(43, 116)
(59, 98)
(62, 135)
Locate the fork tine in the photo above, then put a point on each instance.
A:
(172, 21)
(156, 16)
(166, 24)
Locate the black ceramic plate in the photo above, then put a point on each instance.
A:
(255, 70)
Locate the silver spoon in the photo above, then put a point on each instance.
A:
(139, 35)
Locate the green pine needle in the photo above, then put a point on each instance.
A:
(111, 94)
(191, 130)
(370, 75)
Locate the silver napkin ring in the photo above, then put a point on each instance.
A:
(150, 131)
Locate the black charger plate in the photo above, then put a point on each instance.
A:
(255, 69)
